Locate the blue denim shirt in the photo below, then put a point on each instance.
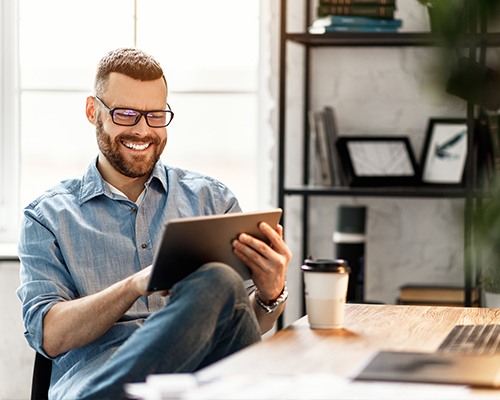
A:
(79, 238)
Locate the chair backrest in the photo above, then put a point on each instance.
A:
(41, 378)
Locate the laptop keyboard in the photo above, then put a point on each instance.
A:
(472, 339)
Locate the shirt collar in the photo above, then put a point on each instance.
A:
(93, 184)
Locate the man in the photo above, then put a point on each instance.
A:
(87, 246)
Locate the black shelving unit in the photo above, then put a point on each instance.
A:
(415, 39)
(475, 43)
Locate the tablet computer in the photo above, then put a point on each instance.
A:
(188, 243)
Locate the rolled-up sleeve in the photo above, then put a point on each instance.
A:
(44, 278)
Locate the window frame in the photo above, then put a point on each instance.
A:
(9, 122)
(11, 125)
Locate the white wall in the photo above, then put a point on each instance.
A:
(15, 355)
(374, 91)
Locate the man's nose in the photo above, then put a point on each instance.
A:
(142, 126)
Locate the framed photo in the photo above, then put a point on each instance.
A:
(444, 152)
(378, 160)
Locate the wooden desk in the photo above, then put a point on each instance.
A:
(368, 328)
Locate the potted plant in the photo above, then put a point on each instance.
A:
(486, 233)
(446, 18)
(490, 284)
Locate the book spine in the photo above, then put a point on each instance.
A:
(358, 28)
(315, 167)
(359, 2)
(360, 11)
(434, 303)
(342, 20)
(325, 156)
(331, 130)
(434, 294)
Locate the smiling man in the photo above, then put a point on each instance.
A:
(87, 246)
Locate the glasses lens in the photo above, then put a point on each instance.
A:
(123, 116)
(129, 117)
(158, 119)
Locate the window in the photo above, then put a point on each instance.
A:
(210, 61)
(9, 123)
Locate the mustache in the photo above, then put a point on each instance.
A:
(127, 137)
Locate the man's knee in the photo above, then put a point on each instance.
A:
(220, 274)
(214, 282)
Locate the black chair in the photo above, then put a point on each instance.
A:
(41, 378)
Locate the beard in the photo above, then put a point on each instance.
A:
(138, 165)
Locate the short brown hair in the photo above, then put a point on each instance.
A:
(131, 62)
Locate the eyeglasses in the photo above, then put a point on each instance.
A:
(130, 117)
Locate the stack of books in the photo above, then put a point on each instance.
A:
(325, 168)
(435, 295)
(355, 16)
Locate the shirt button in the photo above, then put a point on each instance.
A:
(133, 209)
(144, 246)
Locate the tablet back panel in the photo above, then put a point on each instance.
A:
(188, 243)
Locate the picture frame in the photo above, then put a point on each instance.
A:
(378, 160)
(444, 152)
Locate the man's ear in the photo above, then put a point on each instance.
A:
(91, 110)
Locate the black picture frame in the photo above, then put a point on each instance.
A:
(444, 153)
(370, 161)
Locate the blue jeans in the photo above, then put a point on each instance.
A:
(207, 318)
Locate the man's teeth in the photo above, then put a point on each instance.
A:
(137, 146)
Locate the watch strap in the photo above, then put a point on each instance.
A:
(274, 305)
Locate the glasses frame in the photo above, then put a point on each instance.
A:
(144, 114)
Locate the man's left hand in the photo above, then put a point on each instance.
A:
(268, 262)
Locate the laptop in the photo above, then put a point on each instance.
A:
(188, 243)
(469, 355)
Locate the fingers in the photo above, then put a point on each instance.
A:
(256, 251)
(268, 262)
(253, 253)
(140, 281)
(275, 236)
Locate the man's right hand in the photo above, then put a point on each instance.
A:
(75, 323)
(140, 281)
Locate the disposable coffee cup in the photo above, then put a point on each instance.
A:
(325, 286)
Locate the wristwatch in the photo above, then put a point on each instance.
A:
(273, 306)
